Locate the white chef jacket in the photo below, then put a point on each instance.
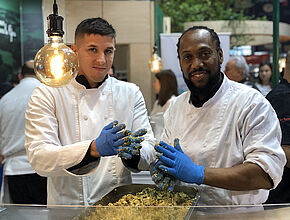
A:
(12, 127)
(62, 122)
(235, 126)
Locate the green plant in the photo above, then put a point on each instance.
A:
(182, 11)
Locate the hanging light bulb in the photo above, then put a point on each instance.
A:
(155, 63)
(55, 64)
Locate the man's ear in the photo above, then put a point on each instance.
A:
(74, 48)
(221, 55)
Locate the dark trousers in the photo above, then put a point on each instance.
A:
(27, 189)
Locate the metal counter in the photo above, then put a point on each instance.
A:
(102, 211)
(32, 212)
(276, 212)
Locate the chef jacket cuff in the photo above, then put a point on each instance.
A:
(86, 165)
(132, 164)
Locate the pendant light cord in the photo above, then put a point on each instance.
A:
(55, 9)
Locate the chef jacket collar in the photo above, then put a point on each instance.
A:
(81, 79)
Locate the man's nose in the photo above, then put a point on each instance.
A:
(100, 58)
(195, 64)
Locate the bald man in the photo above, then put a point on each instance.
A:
(279, 97)
(21, 184)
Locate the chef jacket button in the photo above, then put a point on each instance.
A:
(85, 117)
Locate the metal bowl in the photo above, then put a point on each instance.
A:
(101, 210)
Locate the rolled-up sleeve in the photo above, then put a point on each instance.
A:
(262, 139)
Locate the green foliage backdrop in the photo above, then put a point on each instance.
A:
(182, 11)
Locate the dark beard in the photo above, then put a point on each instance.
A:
(205, 92)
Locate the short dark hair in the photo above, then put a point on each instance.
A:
(213, 35)
(265, 62)
(26, 70)
(168, 85)
(95, 26)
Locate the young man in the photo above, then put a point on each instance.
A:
(228, 134)
(70, 130)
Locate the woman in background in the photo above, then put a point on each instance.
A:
(165, 86)
(265, 78)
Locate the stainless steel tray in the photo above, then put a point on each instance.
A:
(126, 212)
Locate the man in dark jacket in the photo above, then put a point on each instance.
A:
(279, 97)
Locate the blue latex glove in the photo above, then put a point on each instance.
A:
(132, 145)
(178, 164)
(111, 138)
(162, 180)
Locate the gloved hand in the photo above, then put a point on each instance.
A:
(132, 145)
(178, 164)
(111, 138)
(162, 180)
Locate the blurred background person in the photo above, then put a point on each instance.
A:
(21, 185)
(165, 87)
(264, 83)
(5, 87)
(238, 70)
(279, 98)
